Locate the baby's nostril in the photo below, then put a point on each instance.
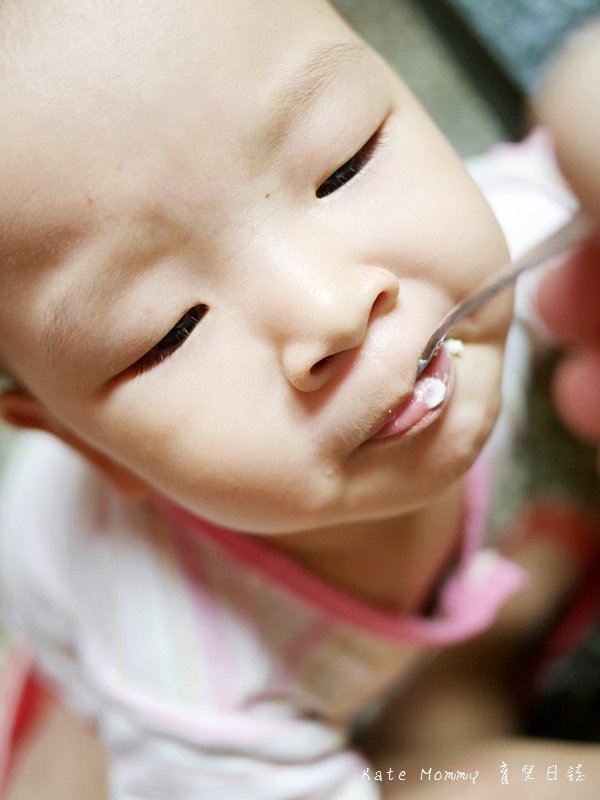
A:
(384, 299)
(319, 365)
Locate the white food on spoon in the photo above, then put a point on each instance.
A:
(431, 392)
(455, 347)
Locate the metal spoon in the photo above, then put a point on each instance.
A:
(558, 242)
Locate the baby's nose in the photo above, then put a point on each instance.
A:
(333, 324)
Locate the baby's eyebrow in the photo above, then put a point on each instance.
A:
(301, 90)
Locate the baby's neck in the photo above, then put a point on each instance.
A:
(394, 563)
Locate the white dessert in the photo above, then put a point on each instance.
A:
(455, 347)
(431, 392)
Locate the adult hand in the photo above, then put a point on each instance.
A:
(569, 298)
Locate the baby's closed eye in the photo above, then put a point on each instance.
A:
(352, 167)
(178, 334)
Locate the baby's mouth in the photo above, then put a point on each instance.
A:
(428, 398)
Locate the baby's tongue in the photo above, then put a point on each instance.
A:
(428, 394)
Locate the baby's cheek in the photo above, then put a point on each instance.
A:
(478, 388)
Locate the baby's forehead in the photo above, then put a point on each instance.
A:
(110, 103)
(103, 68)
(133, 96)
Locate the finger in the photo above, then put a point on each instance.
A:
(577, 393)
(568, 298)
(568, 104)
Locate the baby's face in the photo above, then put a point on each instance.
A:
(228, 229)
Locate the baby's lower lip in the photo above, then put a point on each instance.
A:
(425, 403)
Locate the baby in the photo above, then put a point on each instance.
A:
(227, 231)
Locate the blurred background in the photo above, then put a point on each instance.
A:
(471, 62)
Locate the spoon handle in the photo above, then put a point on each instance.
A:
(562, 239)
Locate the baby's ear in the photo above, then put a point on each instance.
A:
(20, 409)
